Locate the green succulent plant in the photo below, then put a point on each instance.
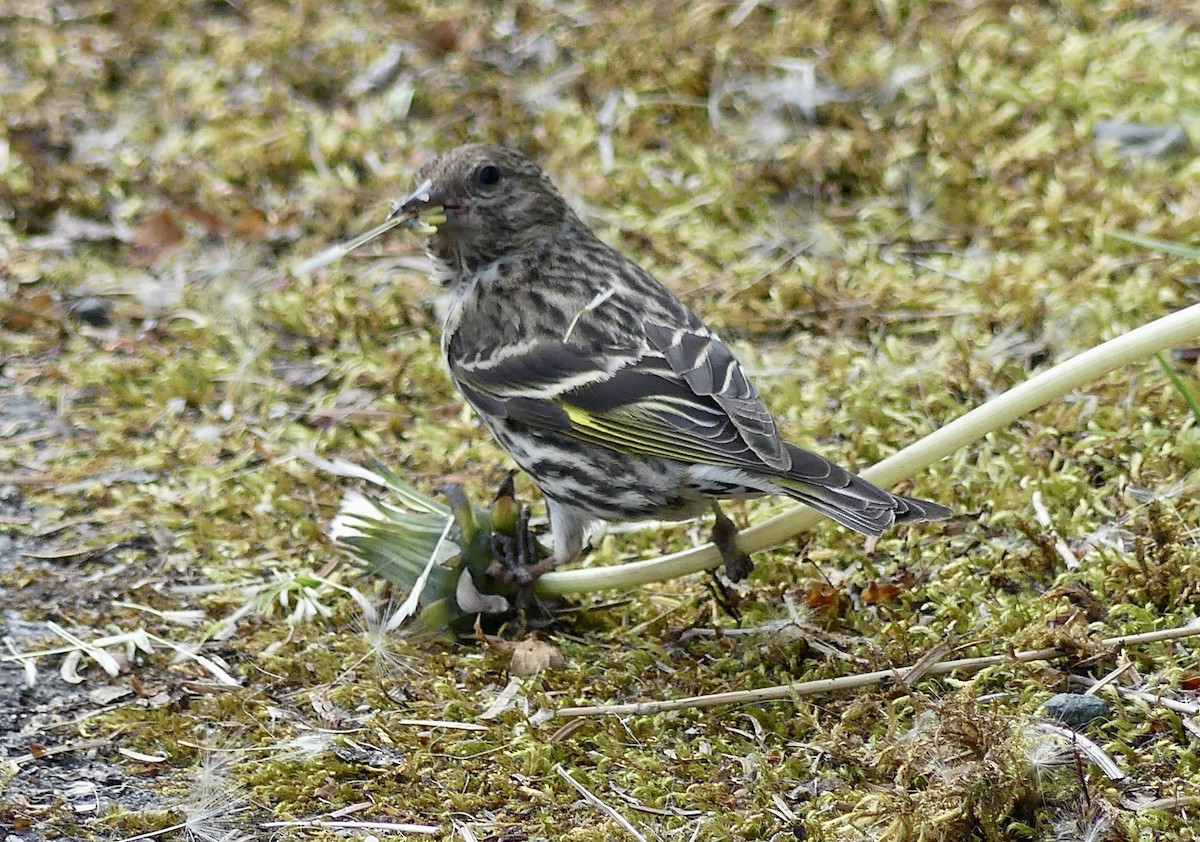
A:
(456, 560)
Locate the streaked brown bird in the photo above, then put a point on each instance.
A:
(604, 387)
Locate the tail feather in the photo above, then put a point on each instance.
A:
(850, 499)
(913, 510)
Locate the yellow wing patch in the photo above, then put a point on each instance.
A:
(626, 432)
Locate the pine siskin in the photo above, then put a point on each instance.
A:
(609, 392)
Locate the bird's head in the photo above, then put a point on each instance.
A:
(496, 202)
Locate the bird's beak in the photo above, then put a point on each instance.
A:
(417, 201)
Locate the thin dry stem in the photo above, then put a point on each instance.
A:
(851, 682)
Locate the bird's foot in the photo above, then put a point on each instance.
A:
(515, 558)
(724, 534)
(724, 595)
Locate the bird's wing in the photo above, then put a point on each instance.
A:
(686, 400)
(710, 370)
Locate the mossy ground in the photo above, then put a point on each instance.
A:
(883, 261)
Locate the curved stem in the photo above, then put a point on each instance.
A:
(1039, 390)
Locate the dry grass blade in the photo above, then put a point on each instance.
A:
(422, 224)
(392, 827)
(1088, 747)
(1185, 708)
(595, 801)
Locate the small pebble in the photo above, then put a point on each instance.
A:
(1075, 709)
(92, 310)
(1145, 140)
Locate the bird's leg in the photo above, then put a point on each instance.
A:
(516, 554)
(530, 567)
(515, 557)
(724, 534)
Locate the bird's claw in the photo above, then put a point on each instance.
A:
(515, 558)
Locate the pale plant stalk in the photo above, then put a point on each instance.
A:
(822, 686)
(1143, 342)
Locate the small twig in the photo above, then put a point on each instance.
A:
(1148, 698)
(82, 745)
(350, 809)
(850, 682)
(592, 799)
(394, 827)
(1108, 679)
(1175, 802)
(185, 617)
(222, 677)
(26, 479)
(150, 834)
(635, 804)
(936, 655)
(442, 723)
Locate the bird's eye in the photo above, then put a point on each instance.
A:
(488, 175)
